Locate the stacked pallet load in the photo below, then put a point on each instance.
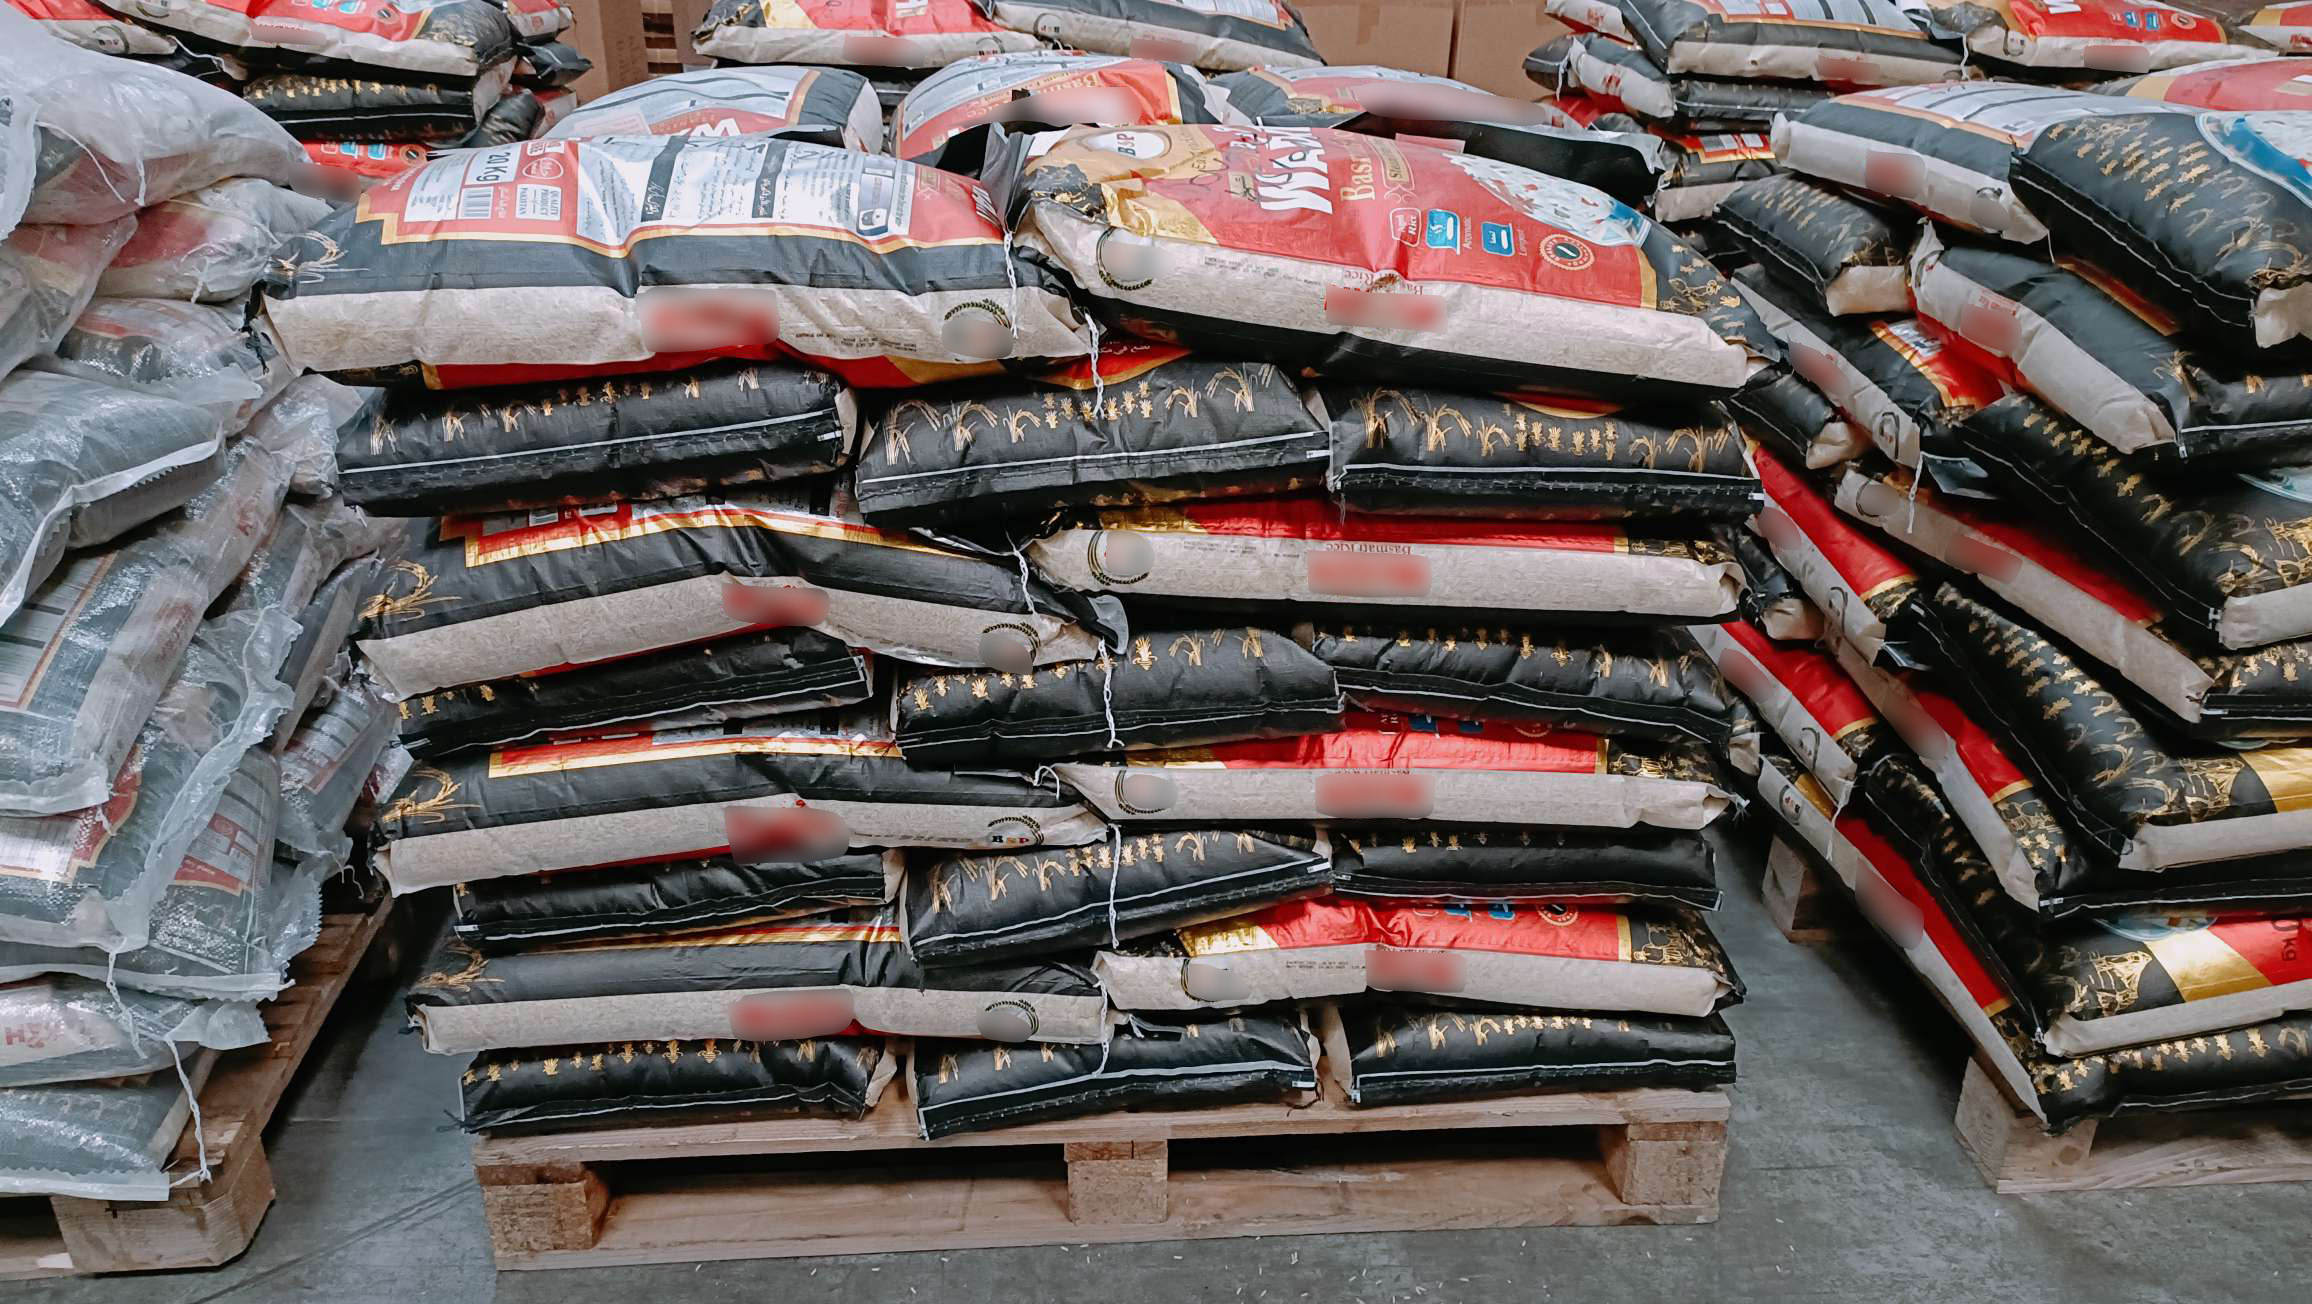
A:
(2052, 730)
(883, 623)
(183, 740)
(369, 92)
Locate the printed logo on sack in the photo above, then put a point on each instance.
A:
(1388, 970)
(791, 1016)
(1132, 144)
(2272, 145)
(1573, 209)
(1375, 794)
(1566, 252)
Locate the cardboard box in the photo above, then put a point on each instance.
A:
(1411, 34)
(1491, 39)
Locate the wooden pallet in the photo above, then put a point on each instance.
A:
(1797, 898)
(784, 1187)
(2219, 1146)
(208, 1223)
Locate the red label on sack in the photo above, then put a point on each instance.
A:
(1819, 367)
(1864, 566)
(784, 835)
(1989, 321)
(1373, 741)
(1894, 172)
(2125, 25)
(1977, 557)
(791, 1016)
(1319, 520)
(1382, 310)
(1382, 794)
(1347, 572)
(779, 607)
(2246, 87)
(1414, 971)
(887, 18)
(1162, 48)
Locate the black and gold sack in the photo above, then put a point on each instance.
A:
(1849, 254)
(1514, 862)
(841, 1077)
(1772, 598)
(315, 107)
(1804, 428)
(1389, 1052)
(504, 914)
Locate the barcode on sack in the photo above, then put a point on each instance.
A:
(538, 203)
(29, 638)
(475, 205)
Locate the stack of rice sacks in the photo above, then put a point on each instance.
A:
(370, 90)
(887, 604)
(183, 742)
(2032, 636)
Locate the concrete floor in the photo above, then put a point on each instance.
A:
(1845, 1184)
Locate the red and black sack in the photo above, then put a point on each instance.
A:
(1512, 279)
(1626, 78)
(1772, 599)
(1392, 102)
(772, 672)
(729, 425)
(1850, 255)
(2229, 554)
(1861, 588)
(842, 974)
(2100, 35)
(768, 789)
(660, 899)
(2084, 597)
(1803, 695)
(1656, 959)
(817, 106)
(1703, 170)
(2281, 26)
(315, 107)
(1184, 1062)
(366, 162)
(1135, 423)
(1944, 149)
(2098, 354)
(947, 118)
(1850, 42)
(1478, 863)
(477, 598)
(1007, 905)
(1221, 37)
(2196, 816)
(1389, 767)
(1305, 551)
(48, 276)
(1418, 451)
(1392, 1052)
(1647, 682)
(451, 38)
(2158, 197)
(1895, 379)
(2243, 82)
(647, 1081)
(211, 244)
(603, 254)
(877, 34)
(1169, 687)
(1600, 16)
(549, 65)
(1787, 412)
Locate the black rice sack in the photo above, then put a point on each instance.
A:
(1469, 864)
(1389, 1052)
(1850, 42)
(1788, 414)
(637, 1081)
(1176, 1061)
(948, 119)
(819, 106)
(1849, 253)
(1242, 34)
(1628, 78)
(506, 914)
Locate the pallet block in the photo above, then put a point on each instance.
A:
(2224, 1145)
(207, 1223)
(785, 1187)
(1801, 905)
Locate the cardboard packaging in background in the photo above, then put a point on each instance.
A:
(1411, 34)
(1491, 39)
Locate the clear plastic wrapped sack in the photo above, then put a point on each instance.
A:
(47, 276)
(204, 354)
(212, 244)
(300, 425)
(64, 1029)
(95, 1140)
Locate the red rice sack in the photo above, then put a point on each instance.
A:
(1513, 278)
(1413, 767)
(1601, 16)
(1942, 149)
(1481, 863)
(670, 794)
(1625, 78)
(362, 163)
(2109, 361)
(1382, 1052)
(483, 598)
(93, 648)
(1801, 693)
(1905, 385)
(1792, 416)
(2158, 198)
(1180, 1063)
(1850, 255)
(1135, 423)
(744, 677)
(48, 274)
(666, 898)
(1414, 451)
(2240, 81)
(844, 974)
(1772, 599)
(1171, 687)
(535, 20)
(582, 443)
(1203, 34)
(871, 257)
(1704, 170)
(2230, 555)
(205, 354)
(61, 1029)
(1393, 102)
(1861, 588)
(450, 38)
(877, 34)
(1653, 959)
(2085, 598)
(650, 1081)
(81, 463)
(1007, 905)
(1851, 42)
(211, 244)
(946, 119)
(91, 139)
(2102, 35)
(819, 106)
(1303, 550)
(1646, 682)
(2282, 26)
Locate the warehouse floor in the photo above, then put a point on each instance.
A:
(1845, 1183)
